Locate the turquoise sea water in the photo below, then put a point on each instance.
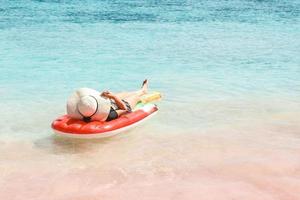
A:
(229, 72)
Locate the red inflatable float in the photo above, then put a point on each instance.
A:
(76, 128)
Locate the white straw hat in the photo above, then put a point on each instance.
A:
(87, 106)
(87, 103)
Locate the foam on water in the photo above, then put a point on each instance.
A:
(228, 127)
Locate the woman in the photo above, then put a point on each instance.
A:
(89, 105)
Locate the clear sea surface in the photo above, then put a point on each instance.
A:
(228, 125)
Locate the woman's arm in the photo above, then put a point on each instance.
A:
(117, 100)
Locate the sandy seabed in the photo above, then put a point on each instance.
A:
(260, 161)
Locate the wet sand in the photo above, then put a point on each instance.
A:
(241, 161)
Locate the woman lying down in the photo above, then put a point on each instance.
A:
(90, 105)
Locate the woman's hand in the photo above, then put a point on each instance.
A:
(107, 94)
(118, 101)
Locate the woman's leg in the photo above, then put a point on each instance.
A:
(134, 97)
(133, 100)
(142, 91)
(123, 95)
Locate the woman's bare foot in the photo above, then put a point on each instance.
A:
(145, 86)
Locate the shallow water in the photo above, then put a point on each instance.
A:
(228, 126)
